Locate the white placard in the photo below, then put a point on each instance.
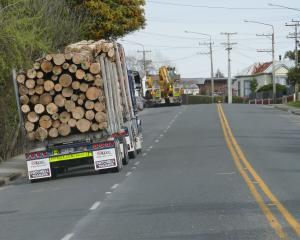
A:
(105, 158)
(39, 168)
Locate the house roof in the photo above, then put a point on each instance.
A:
(265, 68)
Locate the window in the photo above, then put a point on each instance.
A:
(247, 89)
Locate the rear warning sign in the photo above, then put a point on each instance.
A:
(105, 158)
(39, 168)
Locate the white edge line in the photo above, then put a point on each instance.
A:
(115, 186)
(68, 236)
(95, 206)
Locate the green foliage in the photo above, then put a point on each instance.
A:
(294, 75)
(253, 85)
(112, 18)
(294, 104)
(291, 55)
(28, 29)
(269, 87)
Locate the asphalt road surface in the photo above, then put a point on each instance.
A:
(206, 172)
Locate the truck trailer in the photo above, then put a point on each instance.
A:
(76, 108)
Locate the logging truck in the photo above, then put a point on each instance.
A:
(76, 108)
(164, 90)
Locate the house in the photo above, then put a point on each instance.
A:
(262, 72)
(190, 85)
(220, 86)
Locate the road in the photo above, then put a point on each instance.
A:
(206, 172)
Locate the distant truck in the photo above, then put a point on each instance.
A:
(164, 91)
(82, 114)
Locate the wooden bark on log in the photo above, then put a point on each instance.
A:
(45, 121)
(41, 134)
(92, 93)
(57, 70)
(57, 87)
(67, 92)
(95, 127)
(95, 68)
(64, 129)
(83, 87)
(56, 123)
(25, 108)
(80, 74)
(65, 80)
(23, 90)
(78, 113)
(32, 117)
(59, 100)
(30, 83)
(89, 115)
(89, 105)
(59, 59)
(45, 99)
(70, 105)
(31, 73)
(51, 108)
(99, 106)
(40, 81)
(72, 122)
(29, 126)
(72, 68)
(24, 99)
(21, 78)
(39, 108)
(48, 86)
(39, 89)
(100, 117)
(53, 132)
(35, 99)
(64, 117)
(46, 66)
(83, 125)
(39, 74)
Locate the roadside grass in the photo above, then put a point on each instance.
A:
(294, 104)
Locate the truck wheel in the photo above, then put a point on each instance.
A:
(139, 151)
(132, 154)
(119, 167)
(125, 160)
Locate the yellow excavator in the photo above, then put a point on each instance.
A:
(164, 90)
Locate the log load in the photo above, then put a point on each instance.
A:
(63, 93)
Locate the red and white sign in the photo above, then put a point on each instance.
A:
(105, 158)
(39, 168)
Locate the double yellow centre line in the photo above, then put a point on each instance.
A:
(248, 173)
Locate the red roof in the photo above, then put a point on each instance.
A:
(260, 68)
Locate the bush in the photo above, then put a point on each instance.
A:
(279, 88)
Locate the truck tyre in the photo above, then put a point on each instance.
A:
(139, 151)
(119, 166)
(125, 160)
(132, 154)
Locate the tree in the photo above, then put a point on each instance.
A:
(294, 75)
(112, 18)
(253, 85)
(219, 74)
(291, 55)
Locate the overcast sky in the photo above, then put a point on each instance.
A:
(165, 33)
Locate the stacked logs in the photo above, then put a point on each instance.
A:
(63, 93)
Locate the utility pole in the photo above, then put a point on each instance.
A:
(294, 35)
(266, 50)
(144, 59)
(228, 45)
(211, 61)
(211, 67)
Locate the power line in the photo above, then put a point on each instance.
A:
(210, 7)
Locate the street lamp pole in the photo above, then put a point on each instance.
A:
(211, 63)
(273, 54)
